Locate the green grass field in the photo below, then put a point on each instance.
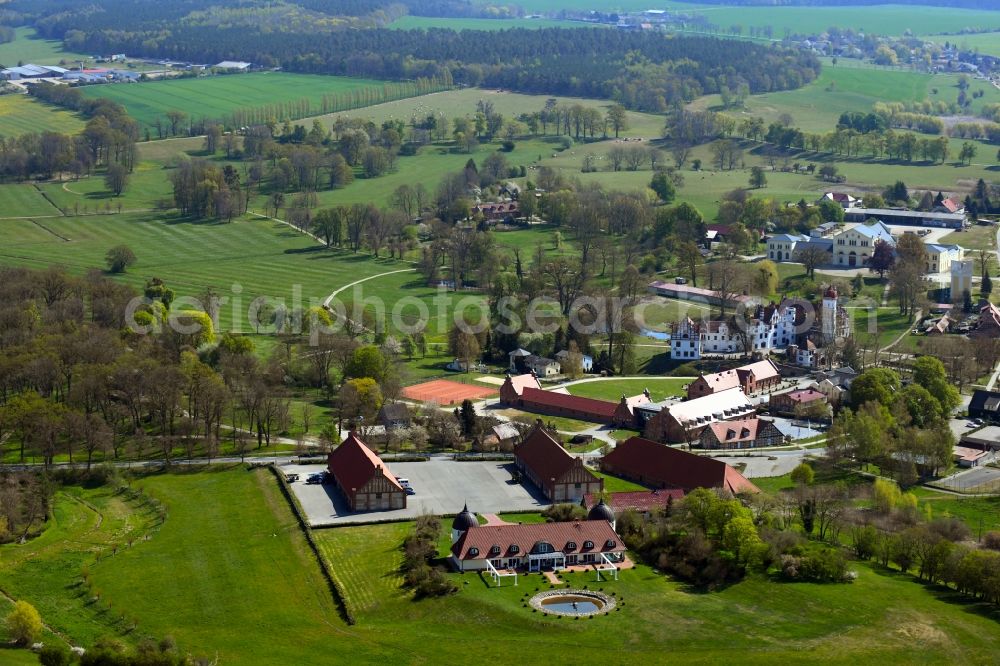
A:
(230, 555)
(24, 201)
(974, 238)
(20, 114)
(229, 573)
(218, 96)
(28, 48)
(660, 388)
(264, 257)
(47, 571)
(455, 103)
(987, 43)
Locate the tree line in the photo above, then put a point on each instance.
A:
(108, 140)
(578, 62)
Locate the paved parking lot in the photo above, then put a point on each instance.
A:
(442, 487)
(976, 480)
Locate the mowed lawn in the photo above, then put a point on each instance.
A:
(21, 114)
(883, 616)
(218, 96)
(263, 257)
(660, 388)
(228, 574)
(27, 47)
(23, 200)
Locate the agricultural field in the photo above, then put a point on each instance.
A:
(987, 43)
(28, 47)
(217, 97)
(20, 114)
(888, 19)
(846, 86)
(894, 20)
(456, 103)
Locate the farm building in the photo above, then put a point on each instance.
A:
(363, 478)
(751, 378)
(743, 434)
(560, 476)
(684, 421)
(787, 403)
(644, 461)
(524, 393)
(233, 65)
(32, 72)
(906, 217)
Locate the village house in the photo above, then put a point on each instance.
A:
(533, 547)
(363, 478)
(743, 434)
(560, 476)
(394, 415)
(985, 405)
(497, 212)
(586, 361)
(842, 199)
(752, 378)
(684, 421)
(788, 403)
(659, 466)
(940, 257)
(521, 360)
(513, 387)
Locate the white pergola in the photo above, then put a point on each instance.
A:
(496, 574)
(606, 564)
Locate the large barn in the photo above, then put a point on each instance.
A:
(363, 478)
(560, 476)
(660, 466)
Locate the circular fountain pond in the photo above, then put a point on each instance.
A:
(581, 603)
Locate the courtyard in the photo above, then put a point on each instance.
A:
(443, 486)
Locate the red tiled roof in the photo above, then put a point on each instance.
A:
(566, 401)
(353, 464)
(744, 430)
(640, 501)
(802, 396)
(524, 538)
(761, 370)
(670, 467)
(521, 382)
(720, 381)
(546, 457)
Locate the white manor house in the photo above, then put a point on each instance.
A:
(773, 327)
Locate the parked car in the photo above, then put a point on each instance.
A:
(291, 478)
(409, 490)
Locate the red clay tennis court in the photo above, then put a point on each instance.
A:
(446, 392)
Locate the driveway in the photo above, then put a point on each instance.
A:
(442, 487)
(977, 479)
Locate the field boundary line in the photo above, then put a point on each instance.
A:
(45, 196)
(340, 599)
(45, 228)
